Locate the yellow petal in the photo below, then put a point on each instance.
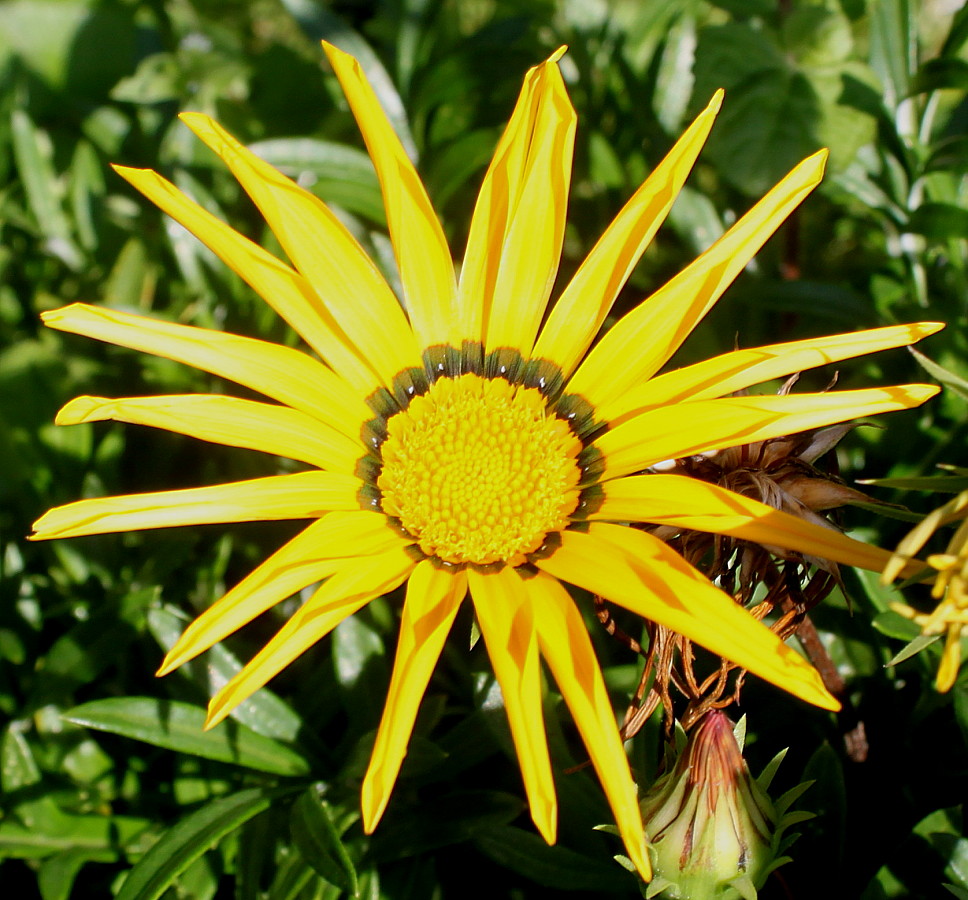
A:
(349, 589)
(423, 257)
(691, 428)
(689, 503)
(917, 537)
(646, 337)
(507, 625)
(433, 598)
(642, 573)
(565, 645)
(276, 371)
(950, 660)
(301, 496)
(280, 430)
(496, 202)
(580, 311)
(345, 278)
(534, 226)
(735, 371)
(285, 290)
(326, 546)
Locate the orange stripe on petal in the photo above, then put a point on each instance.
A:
(690, 428)
(568, 651)
(646, 337)
(643, 574)
(344, 277)
(580, 311)
(231, 421)
(304, 495)
(534, 229)
(285, 290)
(326, 546)
(348, 590)
(740, 369)
(507, 624)
(433, 598)
(279, 372)
(684, 502)
(423, 257)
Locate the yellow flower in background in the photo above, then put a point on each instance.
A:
(463, 447)
(950, 616)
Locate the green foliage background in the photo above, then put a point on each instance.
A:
(101, 766)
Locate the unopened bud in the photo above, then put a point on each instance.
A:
(712, 827)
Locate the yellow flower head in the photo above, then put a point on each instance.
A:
(950, 589)
(463, 447)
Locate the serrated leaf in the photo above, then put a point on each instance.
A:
(179, 726)
(318, 840)
(186, 841)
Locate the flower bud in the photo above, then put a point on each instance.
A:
(711, 826)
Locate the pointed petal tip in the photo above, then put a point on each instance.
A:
(129, 172)
(546, 821)
(639, 854)
(560, 52)
(79, 410)
(216, 713)
(168, 664)
(925, 329)
(716, 103)
(373, 801)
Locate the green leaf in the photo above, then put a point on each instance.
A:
(939, 221)
(190, 838)
(178, 726)
(941, 74)
(21, 783)
(55, 878)
(318, 840)
(913, 648)
(32, 152)
(263, 712)
(939, 484)
(321, 24)
(337, 173)
(896, 626)
(99, 838)
(828, 800)
(440, 823)
(893, 47)
(959, 697)
(949, 379)
(554, 867)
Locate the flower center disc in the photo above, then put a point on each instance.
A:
(479, 471)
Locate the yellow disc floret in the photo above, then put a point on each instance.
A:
(479, 470)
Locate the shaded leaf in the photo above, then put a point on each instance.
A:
(186, 841)
(318, 840)
(178, 726)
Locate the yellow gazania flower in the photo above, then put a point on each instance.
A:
(463, 447)
(950, 589)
